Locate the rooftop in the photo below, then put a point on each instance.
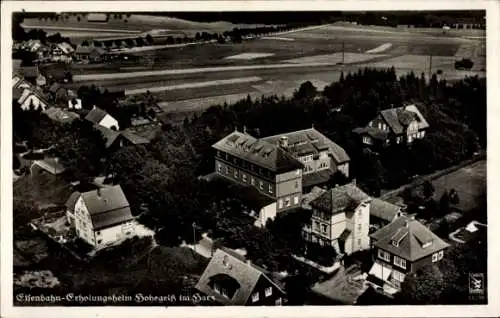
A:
(399, 118)
(230, 264)
(259, 152)
(310, 141)
(341, 198)
(413, 240)
(96, 115)
(384, 210)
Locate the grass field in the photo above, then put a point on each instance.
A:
(469, 182)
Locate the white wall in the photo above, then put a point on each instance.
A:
(115, 233)
(32, 100)
(361, 226)
(83, 223)
(267, 212)
(109, 122)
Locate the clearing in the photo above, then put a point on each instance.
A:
(248, 56)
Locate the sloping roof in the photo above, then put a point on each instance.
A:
(17, 92)
(109, 135)
(399, 118)
(340, 198)
(259, 152)
(60, 115)
(54, 87)
(51, 165)
(412, 235)
(70, 204)
(316, 178)
(28, 71)
(133, 138)
(80, 49)
(310, 140)
(372, 132)
(315, 193)
(107, 206)
(225, 262)
(96, 115)
(383, 209)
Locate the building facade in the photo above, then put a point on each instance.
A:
(101, 217)
(249, 161)
(401, 125)
(341, 219)
(321, 157)
(400, 248)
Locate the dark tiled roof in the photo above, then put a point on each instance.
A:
(399, 118)
(372, 132)
(107, 206)
(133, 138)
(383, 210)
(83, 49)
(234, 266)
(340, 198)
(17, 92)
(413, 236)
(259, 152)
(109, 135)
(310, 140)
(70, 204)
(96, 115)
(29, 71)
(60, 115)
(316, 178)
(315, 193)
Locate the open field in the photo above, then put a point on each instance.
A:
(469, 182)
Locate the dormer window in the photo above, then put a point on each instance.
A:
(255, 297)
(427, 244)
(399, 236)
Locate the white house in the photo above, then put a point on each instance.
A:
(29, 99)
(99, 117)
(101, 217)
(75, 103)
(341, 219)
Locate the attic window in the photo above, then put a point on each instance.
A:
(427, 244)
(398, 237)
(225, 262)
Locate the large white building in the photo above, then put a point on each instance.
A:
(99, 117)
(101, 217)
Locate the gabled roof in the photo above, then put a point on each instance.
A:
(108, 135)
(384, 210)
(399, 118)
(226, 262)
(345, 197)
(316, 178)
(96, 115)
(133, 138)
(70, 204)
(107, 206)
(259, 152)
(412, 236)
(310, 140)
(29, 71)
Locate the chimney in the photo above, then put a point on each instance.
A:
(353, 181)
(283, 142)
(249, 262)
(99, 192)
(244, 129)
(407, 223)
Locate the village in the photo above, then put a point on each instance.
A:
(324, 197)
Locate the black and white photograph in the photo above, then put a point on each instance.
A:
(278, 158)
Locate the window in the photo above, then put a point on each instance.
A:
(223, 291)
(296, 184)
(400, 262)
(296, 200)
(440, 256)
(227, 170)
(216, 288)
(287, 201)
(367, 140)
(219, 167)
(359, 242)
(315, 225)
(128, 233)
(98, 233)
(268, 291)
(235, 173)
(261, 185)
(435, 257)
(359, 227)
(99, 241)
(244, 176)
(278, 302)
(379, 125)
(255, 297)
(323, 228)
(384, 255)
(398, 276)
(270, 189)
(252, 181)
(280, 204)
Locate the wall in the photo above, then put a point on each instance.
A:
(339, 224)
(83, 223)
(361, 226)
(344, 168)
(109, 122)
(112, 234)
(391, 262)
(423, 262)
(227, 170)
(267, 212)
(289, 189)
(34, 101)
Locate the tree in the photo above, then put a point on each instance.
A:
(428, 189)
(454, 199)
(306, 91)
(85, 43)
(423, 288)
(444, 202)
